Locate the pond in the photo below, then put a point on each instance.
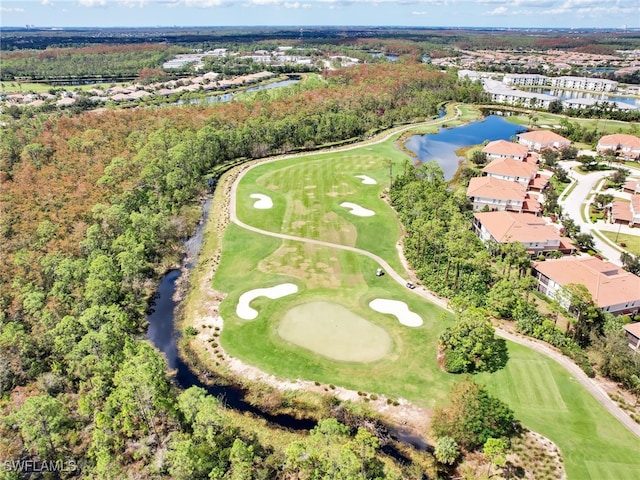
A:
(442, 146)
(225, 97)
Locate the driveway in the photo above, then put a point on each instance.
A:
(573, 205)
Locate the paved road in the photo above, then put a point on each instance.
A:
(573, 205)
(592, 387)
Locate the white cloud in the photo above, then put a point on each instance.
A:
(204, 3)
(419, 13)
(46, 3)
(11, 9)
(498, 11)
(92, 3)
(134, 3)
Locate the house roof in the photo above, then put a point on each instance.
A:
(490, 187)
(511, 168)
(502, 147)
(635, 204)
(543, 137)
(531, 203)
(630, 185)
(607, 283)
(619, 139)
(517, 227)
(633, 329)
(621, 211)
(540, 181)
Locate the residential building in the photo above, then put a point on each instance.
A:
(501, 93)
(499, 149)
(631, 186)
(626, 212)
(525, 80)
(633, 334)
(539, 140)
(511, 170)
(584, 83)
(535, 233)
(626, 146)
(613, 289)
(496, 194)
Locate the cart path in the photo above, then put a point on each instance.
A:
(591, 385)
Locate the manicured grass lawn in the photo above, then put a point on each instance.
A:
(544, 396)
(549, 401)
(632, 241)
(409, 370)
(307, 194)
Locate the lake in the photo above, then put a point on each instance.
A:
(442, 146)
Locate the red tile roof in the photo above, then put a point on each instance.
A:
(607, 283)
(540, 182)
(633, 329)
(517, 227)
(511, 168)
(621, 211)
(502, 147)
(494, 188)
(619, 139)
(543, 137)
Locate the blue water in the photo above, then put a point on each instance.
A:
(226, 97)
(442, 146)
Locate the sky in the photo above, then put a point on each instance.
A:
(424, 13)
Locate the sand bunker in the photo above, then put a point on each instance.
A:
(335, 332)
(397, 308)
(358, 210)
(244, 311)
(367, 180)
(263, 202)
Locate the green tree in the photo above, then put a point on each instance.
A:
(479, 158)
(43, 422)
(495, 449)
(587, 317)
(241, 457)
(630, 263)
(447, 450)
(473, 416)
(471, 345)
(503, 297)
(549, 156)
(584, 241)
(568, 153)
(618, 177)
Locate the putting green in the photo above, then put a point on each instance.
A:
(335, 332)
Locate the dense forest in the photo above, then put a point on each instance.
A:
(102, 61)
(94, 208)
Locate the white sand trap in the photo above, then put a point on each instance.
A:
(263, 202)
(367, 180)
(244, 311)
(358, 210)
(397, 308)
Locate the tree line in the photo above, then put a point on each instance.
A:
(94, 209)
